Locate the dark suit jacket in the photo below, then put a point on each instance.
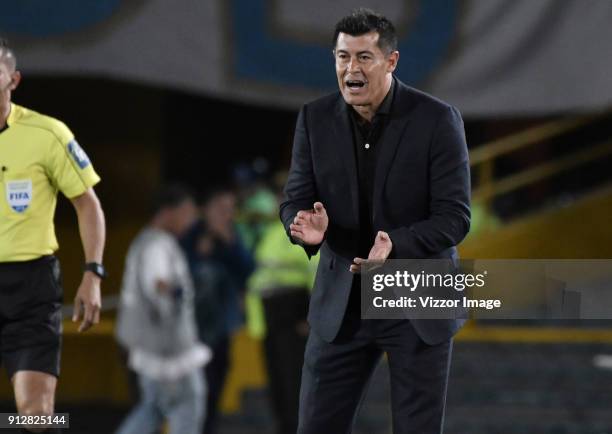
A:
(421, 194)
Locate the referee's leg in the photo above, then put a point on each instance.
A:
(34, 394)
(30, 333)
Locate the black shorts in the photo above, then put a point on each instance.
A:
(31, 315)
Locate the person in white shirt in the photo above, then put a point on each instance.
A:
(156, 323)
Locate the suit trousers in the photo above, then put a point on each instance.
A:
(335, 376)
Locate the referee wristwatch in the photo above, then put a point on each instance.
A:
(96, 268)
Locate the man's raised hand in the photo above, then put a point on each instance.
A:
(378, 254)
(309, 226)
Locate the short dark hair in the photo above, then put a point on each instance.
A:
(361, 21)
(6, 54)
(170, 196)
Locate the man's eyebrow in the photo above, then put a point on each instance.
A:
(358, 53)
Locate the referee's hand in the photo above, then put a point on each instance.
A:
(87, 301)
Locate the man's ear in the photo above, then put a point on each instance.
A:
(15, 80)
(392, 61)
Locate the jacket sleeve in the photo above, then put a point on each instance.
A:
(300, 191)
(449, 190)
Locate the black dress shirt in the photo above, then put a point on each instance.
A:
(365, 138)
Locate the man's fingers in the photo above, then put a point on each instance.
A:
(383, 235)
(319, 208)
(91, 316)
(84, 325)
(370, 263)
(96, 319)
(77, 309)
(299, 220)
(374, 264)
(96, 313)
(296, 228)
(298, 235)
(356, 266)
(87, 317)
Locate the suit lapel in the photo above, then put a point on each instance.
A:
(343, 139)
(390, 141)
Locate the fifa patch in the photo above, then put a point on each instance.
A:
(19, 194)
(78, 155)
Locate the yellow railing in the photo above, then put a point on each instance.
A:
(483, 158)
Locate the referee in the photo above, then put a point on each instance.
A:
(38, 157)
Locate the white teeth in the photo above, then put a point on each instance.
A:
(355, 83)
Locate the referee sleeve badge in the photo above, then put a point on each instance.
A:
(78, 155)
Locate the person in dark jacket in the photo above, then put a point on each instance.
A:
(220, 266)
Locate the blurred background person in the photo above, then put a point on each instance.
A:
(220, 265)
(156, 322)
(255, 199)
(276, 306)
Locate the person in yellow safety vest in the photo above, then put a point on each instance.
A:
(276, 306)
(257, 211)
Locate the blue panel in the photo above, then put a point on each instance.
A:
(263, 57)
(52, 17)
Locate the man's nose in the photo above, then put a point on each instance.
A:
(353, 65)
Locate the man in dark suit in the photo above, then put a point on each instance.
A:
(379, 170)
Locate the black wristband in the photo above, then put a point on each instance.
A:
(96, 268)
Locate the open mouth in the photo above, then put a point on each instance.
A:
(355, 84)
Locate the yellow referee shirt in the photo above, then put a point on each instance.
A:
(38, 157)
